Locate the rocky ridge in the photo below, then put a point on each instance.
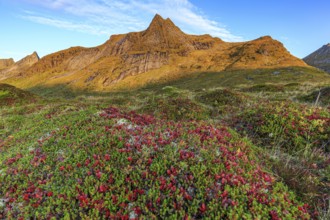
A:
(8, 67)
(160, 51)
(5, 63)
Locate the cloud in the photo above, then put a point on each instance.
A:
(114, 16)
(66, 24)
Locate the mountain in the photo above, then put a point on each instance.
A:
(8, 67)
(162, 52)
(5, 63)
(27, 61)
(320, 58)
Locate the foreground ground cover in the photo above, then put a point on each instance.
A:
(119, 164)
(296, 140)
(176, 155)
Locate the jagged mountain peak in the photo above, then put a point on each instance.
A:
(164, 33)
(35, 54)
(157, 19)
(29, 59)
(159, 22)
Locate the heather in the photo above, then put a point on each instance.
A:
(165, 153)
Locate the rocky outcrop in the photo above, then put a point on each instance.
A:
(27, 61)
(19, 67)
(141, 63)
(63, 60)
(161, 35)
(5, 63)
(320, 58)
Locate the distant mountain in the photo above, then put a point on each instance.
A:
(159, 53)
(320, 58)
(8, 67)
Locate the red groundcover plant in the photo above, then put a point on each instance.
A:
(123, 165)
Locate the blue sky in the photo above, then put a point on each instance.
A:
(47, 26)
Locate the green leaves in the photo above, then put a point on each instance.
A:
(143, 168)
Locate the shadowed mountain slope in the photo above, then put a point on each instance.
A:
(320, 58)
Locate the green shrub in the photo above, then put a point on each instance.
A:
(176, 109)
(220, 97)
(264, 88)
(291, 126)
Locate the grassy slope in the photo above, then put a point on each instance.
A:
(10, 95)
(43, 136)
(308, 77)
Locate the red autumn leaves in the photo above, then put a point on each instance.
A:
(144, 167)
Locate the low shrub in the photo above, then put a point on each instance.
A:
(175, 109)
(124, 165)
(264, 88)
(220, 97)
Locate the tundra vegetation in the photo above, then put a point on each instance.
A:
(185, 150)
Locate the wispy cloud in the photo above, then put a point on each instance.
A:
(114, 16)
(66, 24)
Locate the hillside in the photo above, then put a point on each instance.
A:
(320, 58)
(10, 95)
(161, 52)
(5, 63)
(9, 68)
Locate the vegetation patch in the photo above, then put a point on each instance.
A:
(289, 125)
(10, 95)
(323, 94)
(175, 157)
(220, 97)
(298, 144)
(175, 109)
(291, 86)
(264, 88)
(125, 165)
